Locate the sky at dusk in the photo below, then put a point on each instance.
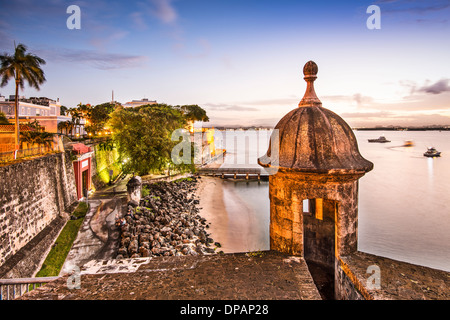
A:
(242, 60)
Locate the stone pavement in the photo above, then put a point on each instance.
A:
(255, 276)
(98, 235)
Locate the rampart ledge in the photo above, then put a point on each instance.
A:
(398, 280)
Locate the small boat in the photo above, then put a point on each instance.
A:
(432, 152)
(381, 139)
(408, 143)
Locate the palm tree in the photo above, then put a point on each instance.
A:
(61, 126)
(69, 127)
(21, 66)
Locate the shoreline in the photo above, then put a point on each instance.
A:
(231, 224)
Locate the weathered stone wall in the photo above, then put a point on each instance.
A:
(345, 284)
(28, 260)
(366, 276)
(319, 239)
(32, 194)
(287, 192)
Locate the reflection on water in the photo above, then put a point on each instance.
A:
(404, 202)
(430, 169)
(255, 194)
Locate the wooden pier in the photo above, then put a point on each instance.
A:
(236, 173)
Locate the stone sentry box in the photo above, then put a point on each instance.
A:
(317, 161)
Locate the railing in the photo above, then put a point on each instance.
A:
(11, 289)
(22, 153)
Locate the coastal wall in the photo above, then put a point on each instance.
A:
(33, 194)
(366, 276)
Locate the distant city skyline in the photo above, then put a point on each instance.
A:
(242, 60)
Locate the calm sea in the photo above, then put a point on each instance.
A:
(404, 202)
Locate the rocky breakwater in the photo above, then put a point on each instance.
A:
(165, 223)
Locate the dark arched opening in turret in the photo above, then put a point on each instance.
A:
(319, 244)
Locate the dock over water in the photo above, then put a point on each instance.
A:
(236, 171)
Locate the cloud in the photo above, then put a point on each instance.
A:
(6, 41)
(361, 100)
(232, 122)
(198, 50)
(432, 21)
(421, 7)
(410, 85)
(226, 107)
(357, 98)
(163, 10)
(437, 87)
(100, 41)
(367, 115)
(391, 118)
(95, 59)
(274, 102)
(138, 21)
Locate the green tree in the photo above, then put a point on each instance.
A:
(63, 110)
(143, 136)
(21, 66)
(3, 119)
(36, 135)
(76, 115)
(84, 110)
(61, 126)
(99, 116)
(194, 113)
(96, 117)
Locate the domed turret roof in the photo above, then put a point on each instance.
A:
(314, 139)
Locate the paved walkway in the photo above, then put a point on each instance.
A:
(98, 236)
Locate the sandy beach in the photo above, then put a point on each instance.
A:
(232, 224)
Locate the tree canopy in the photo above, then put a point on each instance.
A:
(194, 113)
(143, 135)
(63, 110)
(22, 66)
(37, 136)
(96, 116)
(3, 119)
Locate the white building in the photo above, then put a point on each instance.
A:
(138, 103)
(30, 107)
(46, 111)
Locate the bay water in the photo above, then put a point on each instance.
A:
(404, 202)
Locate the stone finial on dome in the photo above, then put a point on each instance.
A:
(310, 69)
(310, 98)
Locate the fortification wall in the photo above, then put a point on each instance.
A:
(367, 276)
(33, 193)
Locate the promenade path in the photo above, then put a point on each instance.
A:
(98, 236)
